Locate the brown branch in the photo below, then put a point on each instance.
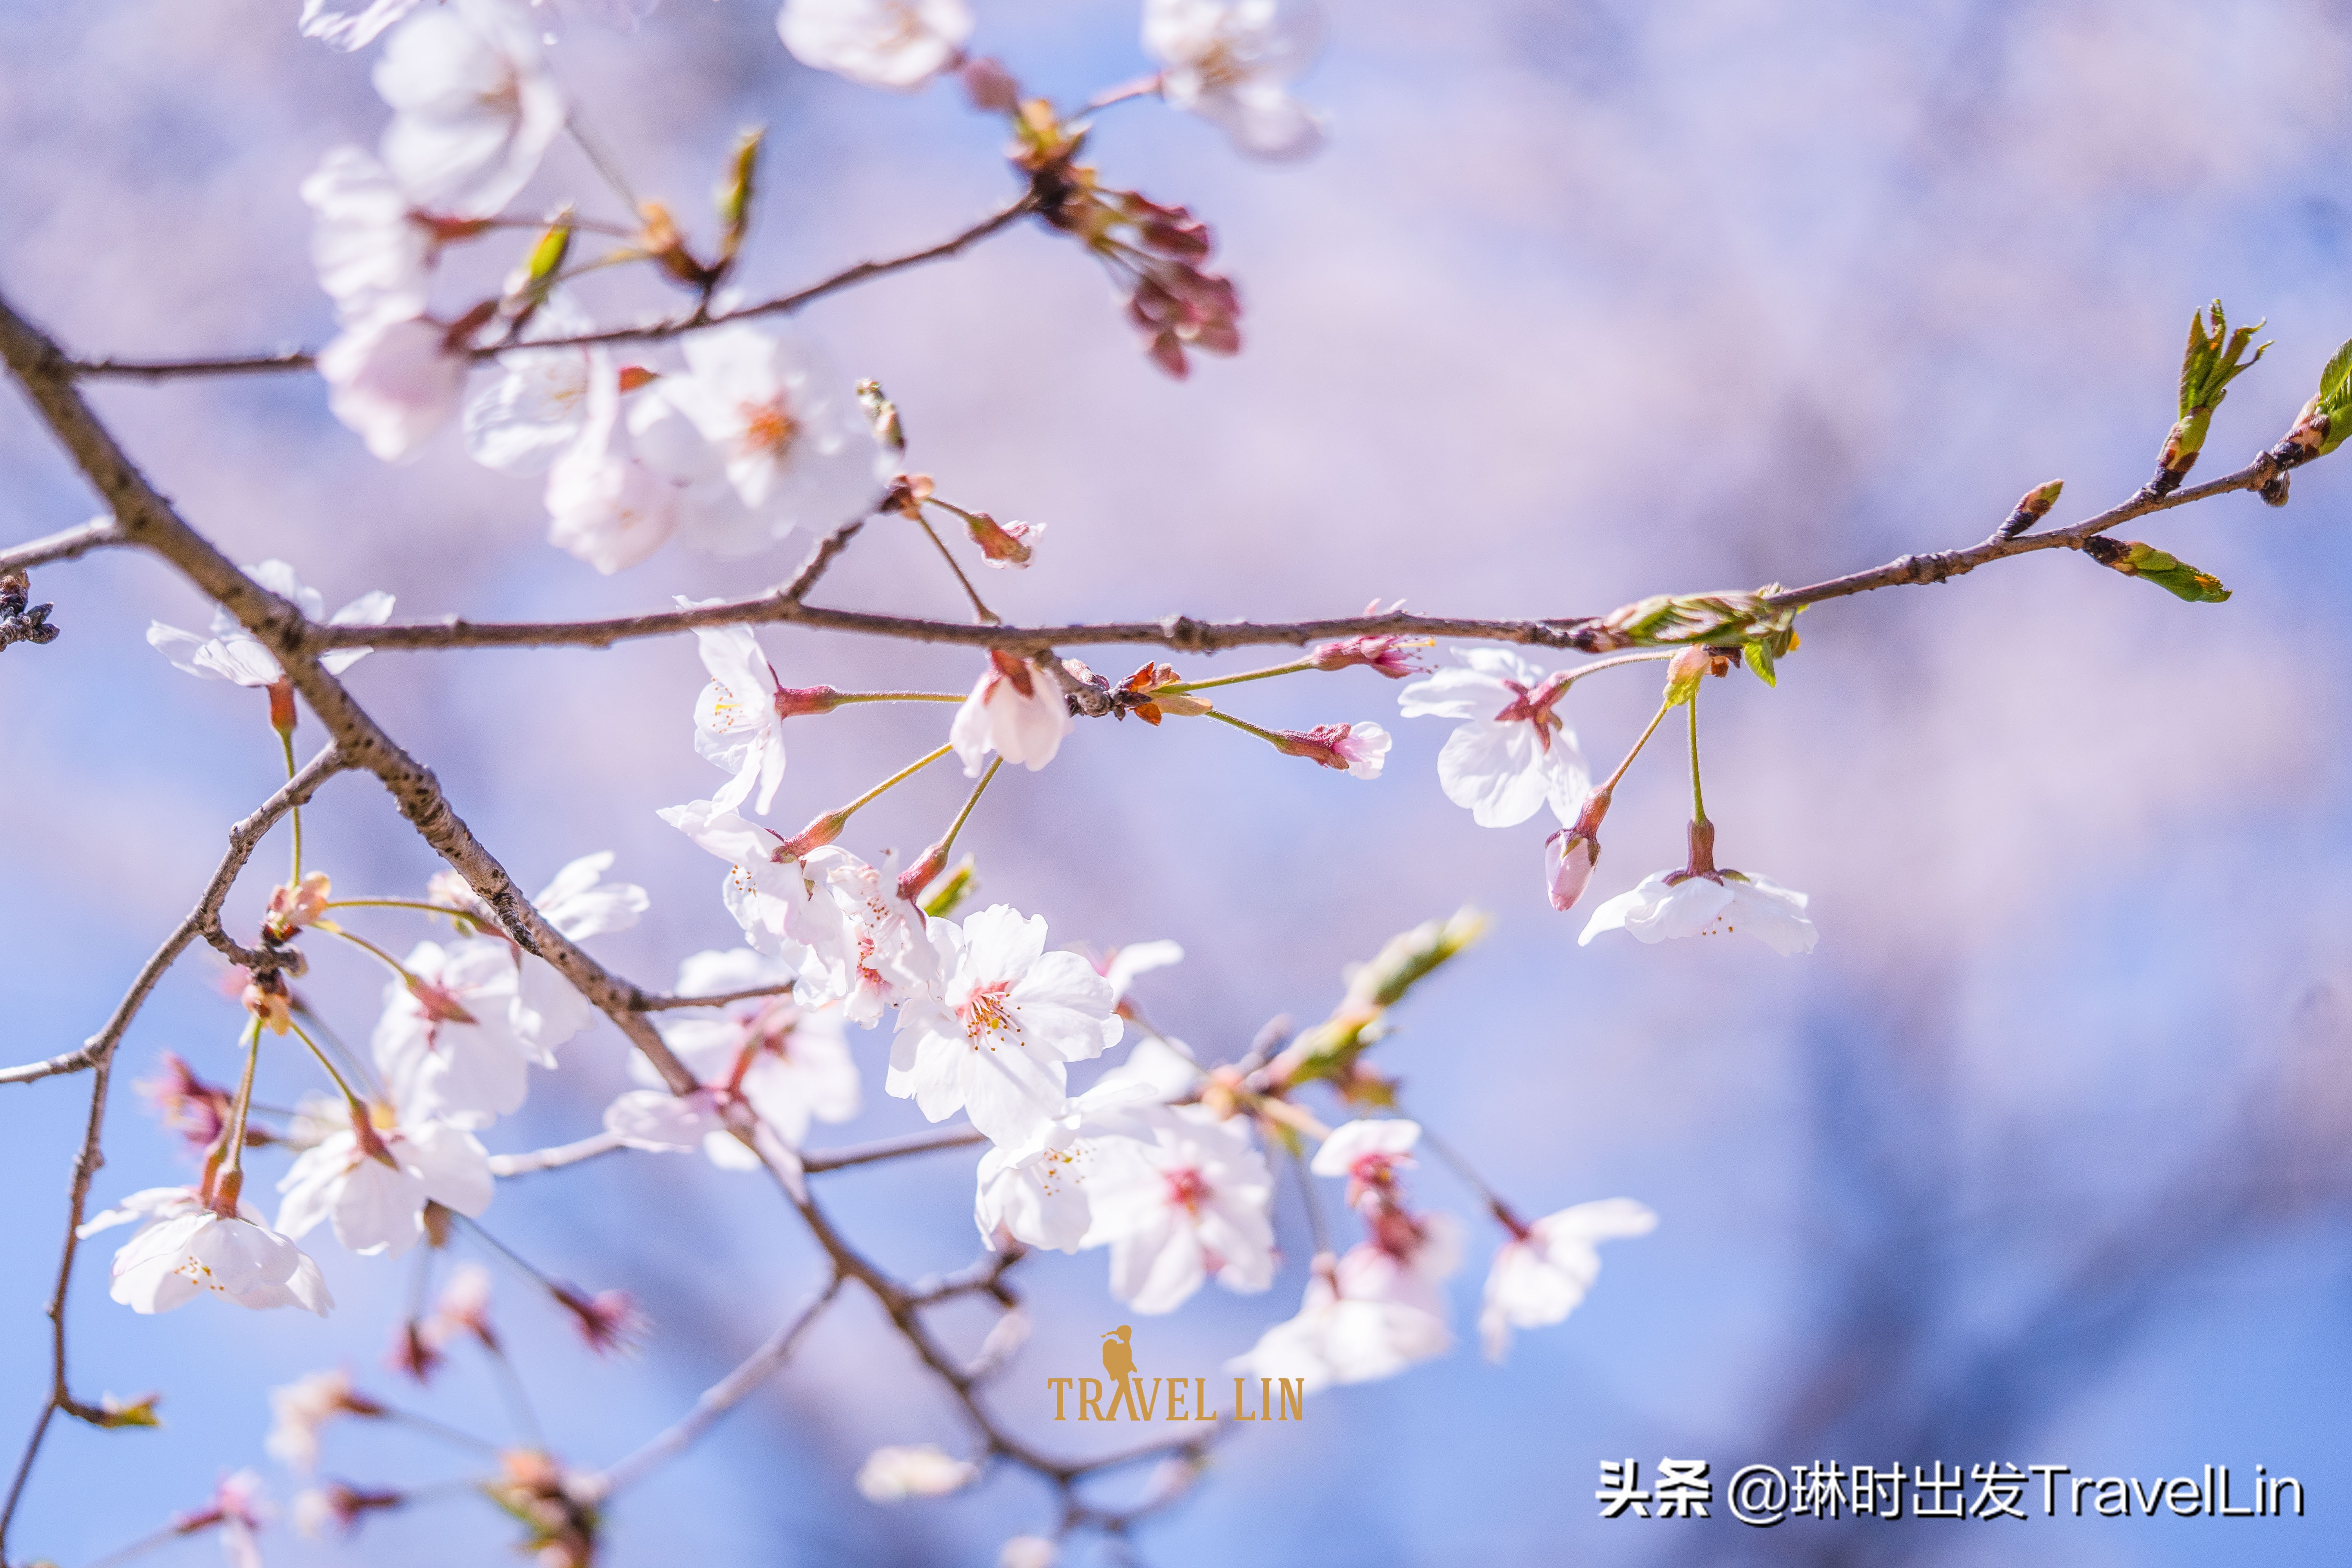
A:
(155, 370)
(888, 1149)
(555, 1159)
(647, 1002)
(98, 1053)
(1187, 635)
(96, 534)
(202, 921)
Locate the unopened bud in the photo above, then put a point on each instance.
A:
(268, 999)
(990, 87)
(1685, 672)
(883, 414)
(735, 196)
(1003, 545)
(2171, 574)
(2032, 510)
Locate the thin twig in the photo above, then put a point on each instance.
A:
(97, 533)
(647, 1003)
(716, 1401)
(784, 304)
(555, 1159)
(888, 1149)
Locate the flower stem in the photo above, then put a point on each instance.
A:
(231, 1180)
(604, 165)
(1293, 668)
(1698, 795)
(1503, 1212)
(286, 739)
(1660, 718)
(398, 904)
(979, 607)
(843, 698)
(1598, 665)
(1307, 1195)
(901, 777)
(359, 1108)
(956, 826)
(397, 967)
(1268, 736)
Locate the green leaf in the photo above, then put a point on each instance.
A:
(1760, 659)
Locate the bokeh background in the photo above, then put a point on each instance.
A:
(2039, 1158)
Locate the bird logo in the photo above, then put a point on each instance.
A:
(1119, 1353)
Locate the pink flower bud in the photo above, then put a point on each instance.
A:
(1569, 859)
(1356, 750)
(990, 86)
(1385, 652)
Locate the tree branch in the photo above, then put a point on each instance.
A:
(157, 370)
(555, 1159)
(888, 1149)
(96, 534)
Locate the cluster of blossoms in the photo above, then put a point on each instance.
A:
(1513, 754)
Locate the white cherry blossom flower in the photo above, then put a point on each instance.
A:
(710, 516)
(1190, 1201)
(539, 408)
(787, 1065)
(299, 1409)
(738, 717)
(878, 42)
(1515, 753)
(351, 24)
(1366, 1149)
(231, 653)
(546, 1010)
(1362, 1320)
(1228, 61)
(183, 1250)
(472, 109)
(1161, 1069)
(374, 249)
(875, 955)
(372, 1186)
(394, 380)
(1038, 1192)
(605, 505)
(446, 1046)
(1137, 958)
(995, 1039)
(1016, 709)
(1538, 1278)
(1669, 904)
(778, 420)
(922, 1469)
(771, 896)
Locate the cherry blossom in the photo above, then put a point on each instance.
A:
(1351, 1328)
(779, 421)
(299, 1409)
(238, 1508)
(1038, 1192)
(876, 953)
(1541, 1274)
(394, 380)
(1016, 709)
(351, 26)
(374, 249)
(604, 504)
(994, 1040)
(183, 1250)
(472, 109)
(233, 653)
(372, 1182)
(1190, 1202)
(1669, 904)
(1514, 754)
(1227, 61)
(539, 409)
(446, 1043)
(787, 1065)
(766, 890)
(878, 42)
(896, 1474)
(1123, 964)
(1367, 1152)
(739, 717)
